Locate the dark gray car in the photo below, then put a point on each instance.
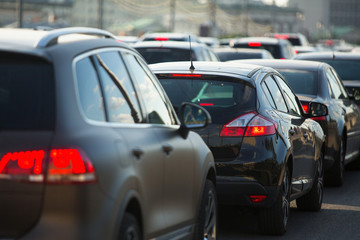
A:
(91, 147)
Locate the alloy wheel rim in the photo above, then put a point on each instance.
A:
(285, 200)
(320, 183)
(210, 218)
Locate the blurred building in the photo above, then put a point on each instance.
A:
(332, 17)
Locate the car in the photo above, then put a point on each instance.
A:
(279, 48)
(296, 39)
(267, 151)
(228, 54)
(170, 36)
(210, 41)
(91, 146)
(318, 82)
(347, 66)
(170, 51)
(127, 39)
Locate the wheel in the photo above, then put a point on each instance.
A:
(335, 175)
(206, 227)
(130, 229)
(312, 201)
(274, 220)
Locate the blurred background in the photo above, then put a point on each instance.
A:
(316, 19)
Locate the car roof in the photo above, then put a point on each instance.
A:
(173, 35)
(167, 44)
(328, 55)
(285, 64)
(244, 70)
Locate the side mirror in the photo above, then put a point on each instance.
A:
(317, 110)
(192, 116)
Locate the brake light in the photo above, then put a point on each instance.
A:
(70, 166)
(254, 44)
(248, 125)
(64, 166)
(22, 166)
(322, 118)
(186, 75)
(257, 198)
(206, 104)
(161, 39)
(281, 36)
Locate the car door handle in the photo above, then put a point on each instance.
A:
(137, 152)
(292, 132)
(167, 148)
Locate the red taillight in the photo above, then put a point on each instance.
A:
(296, 51)
(281, 36)
(322, 118)
(248, 125)
(257, 198)
(70, 166)
(254, 44)
(305, 107)
(206, 104)
(186, 75)
(64, 166)
(161, 39)
(22, 166)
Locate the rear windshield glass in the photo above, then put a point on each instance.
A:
(223, 98)
(157, 55)
(227, 56)
(301, 82)
(294, 41)
(273, 49)
(347, 69)
(26, 93)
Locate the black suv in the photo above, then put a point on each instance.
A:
(91, 147)
(267, 150)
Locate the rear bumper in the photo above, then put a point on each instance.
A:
(237, 191)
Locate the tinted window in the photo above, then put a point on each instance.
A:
(273, 49)
(26, 94)
(120, 98)
(337, 91)
(89, 90)
(224, 98)
(290, 97)
(276, 94)
(157, 55)
(155, 104)
(347, 69)
(301, 82)
(227, 56)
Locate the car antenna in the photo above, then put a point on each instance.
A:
(192, 68)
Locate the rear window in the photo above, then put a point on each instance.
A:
(347, 69)
(157, 55)
(301, 82)
(227, 56)
(26, 93)
(224, 98)
(273, 49)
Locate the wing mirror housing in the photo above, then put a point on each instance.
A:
(317, 110)
(192, 116)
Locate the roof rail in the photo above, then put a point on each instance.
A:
(52, 37)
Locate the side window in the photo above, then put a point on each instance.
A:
(336, 90)
(155, 104)
(276, 94)
(120, 98)
(89, 90)
(336, 76)
(268, 95)
(289, 96)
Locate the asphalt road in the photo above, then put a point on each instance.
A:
(339, 217)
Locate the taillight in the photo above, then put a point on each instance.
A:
(206, 104)
(248, 125)
(305, 107)
(64, 166)
(257, 198)
(186, 75)
(70, 166)
(161, 39)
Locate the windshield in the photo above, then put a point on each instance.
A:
(301, 82)
(347, 69)
(223, 98)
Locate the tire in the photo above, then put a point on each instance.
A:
(130, 229)
(312, 201)
(206, 226)
(273, 220)
(335, 176)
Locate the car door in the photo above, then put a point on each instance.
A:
(292, 125)
(138, 148)
(350, 112)
(178, 195)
